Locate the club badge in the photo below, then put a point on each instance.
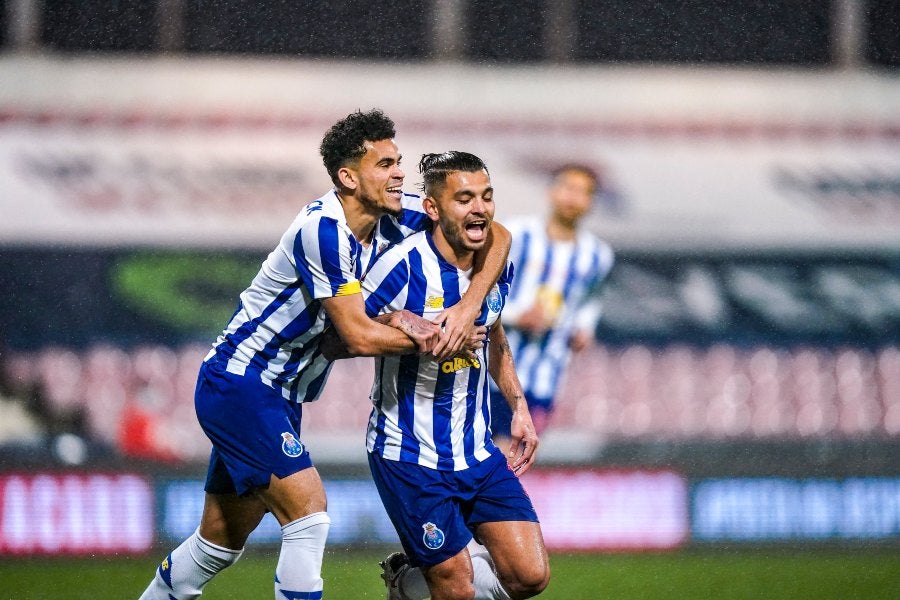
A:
(433, 537)
(291, 445)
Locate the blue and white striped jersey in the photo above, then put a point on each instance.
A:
(564, 277)
(433, 414)
(276, 329)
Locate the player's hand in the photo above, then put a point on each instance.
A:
(534, 320)
(524, 440)
(421, 331)
(580, 340)
(457, 324)
(476, 339)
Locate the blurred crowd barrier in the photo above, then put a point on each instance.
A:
(140, 400)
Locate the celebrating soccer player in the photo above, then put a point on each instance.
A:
(439, 475)
(553, 307)
(267, 362)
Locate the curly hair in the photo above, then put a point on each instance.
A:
(344, 142)
(435, 168)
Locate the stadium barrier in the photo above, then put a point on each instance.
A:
(588, 510)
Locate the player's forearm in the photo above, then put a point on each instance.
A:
(489, 264)
(364, 337)
(334, 347)
(503, 369)
(377, 339)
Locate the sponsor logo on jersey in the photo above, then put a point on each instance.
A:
(434, 302)
(291, 445)
(459, 363)
(433, 538)
(551, 300)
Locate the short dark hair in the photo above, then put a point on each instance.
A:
(345, 141)
(435, 168)
(576, 168)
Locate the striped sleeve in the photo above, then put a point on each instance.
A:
(323, 256)
(589, 313)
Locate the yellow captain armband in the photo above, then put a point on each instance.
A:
(348, 289)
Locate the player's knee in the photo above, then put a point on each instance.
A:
(528, 582)
(450, 587)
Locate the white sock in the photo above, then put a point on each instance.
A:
(487, 586)
(476, 549)
(298, 575)
(188, 568)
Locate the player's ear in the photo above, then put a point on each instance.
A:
(430, 206)
(347, 177)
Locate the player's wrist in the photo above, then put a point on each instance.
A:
(518, 402)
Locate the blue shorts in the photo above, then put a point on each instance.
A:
(501, 415)
(254, 431)
(436, 512)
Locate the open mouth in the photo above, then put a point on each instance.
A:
(395, 191)
(477, 229)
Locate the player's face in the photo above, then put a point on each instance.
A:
(571, 196)
(465, 210)
(380, 178)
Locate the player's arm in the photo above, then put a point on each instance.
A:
(587, 316)
(333, 346)
(524, 441)
(362, 336)
(459, 320)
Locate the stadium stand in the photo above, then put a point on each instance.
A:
(140, 401)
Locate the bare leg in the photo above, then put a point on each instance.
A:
(295, 496)
(298, 503)
(228, 519)
(451, 579)
(520, 558)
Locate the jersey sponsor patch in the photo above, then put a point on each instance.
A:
(291, 445)
(433, 538)
(459, 363)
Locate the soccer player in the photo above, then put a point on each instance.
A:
(267, 362)
(552, 309)
(439, 476)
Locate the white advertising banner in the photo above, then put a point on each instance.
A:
(610, 510)
(238, 185)
(221, 153)
(50, 514)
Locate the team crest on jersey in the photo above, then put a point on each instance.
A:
(434, 302)
(433, 537)
(494, 300)
(291, 445)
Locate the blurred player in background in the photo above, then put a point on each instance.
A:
(437, 471)
(267, 362)
(553, 306)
